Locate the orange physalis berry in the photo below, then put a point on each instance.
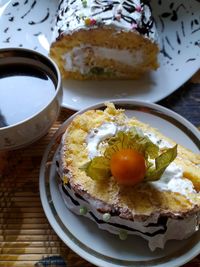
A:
(128, 167)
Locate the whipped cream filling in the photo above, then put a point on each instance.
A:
(76, 58)
(172, 178)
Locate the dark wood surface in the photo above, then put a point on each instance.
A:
(186, 102)
(26, 237)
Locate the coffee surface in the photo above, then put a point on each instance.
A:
(24, 91)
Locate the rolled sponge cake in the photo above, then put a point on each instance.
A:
(95, 39)
(153, 210)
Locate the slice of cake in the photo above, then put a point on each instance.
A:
(95, 39)
(129, 178)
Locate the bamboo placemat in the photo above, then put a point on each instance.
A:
(26, 238)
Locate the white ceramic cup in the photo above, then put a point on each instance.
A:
(30, 129)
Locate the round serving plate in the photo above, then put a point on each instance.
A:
(82, 235)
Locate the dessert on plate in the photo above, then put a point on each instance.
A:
(129, 178)
(95, 39)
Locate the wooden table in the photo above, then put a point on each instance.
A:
(26, 238)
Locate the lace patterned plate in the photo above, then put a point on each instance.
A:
(29, 23)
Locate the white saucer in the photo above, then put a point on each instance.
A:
(83, 236)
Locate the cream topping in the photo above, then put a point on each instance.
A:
(171, 180)
(160, 142)
(98, 135)
(121, 14)
(109, 129)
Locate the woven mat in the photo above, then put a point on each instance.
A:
(26, 238)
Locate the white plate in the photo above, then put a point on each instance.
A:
(30, 24)
(83, 236)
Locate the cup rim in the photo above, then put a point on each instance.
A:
(58, 86)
